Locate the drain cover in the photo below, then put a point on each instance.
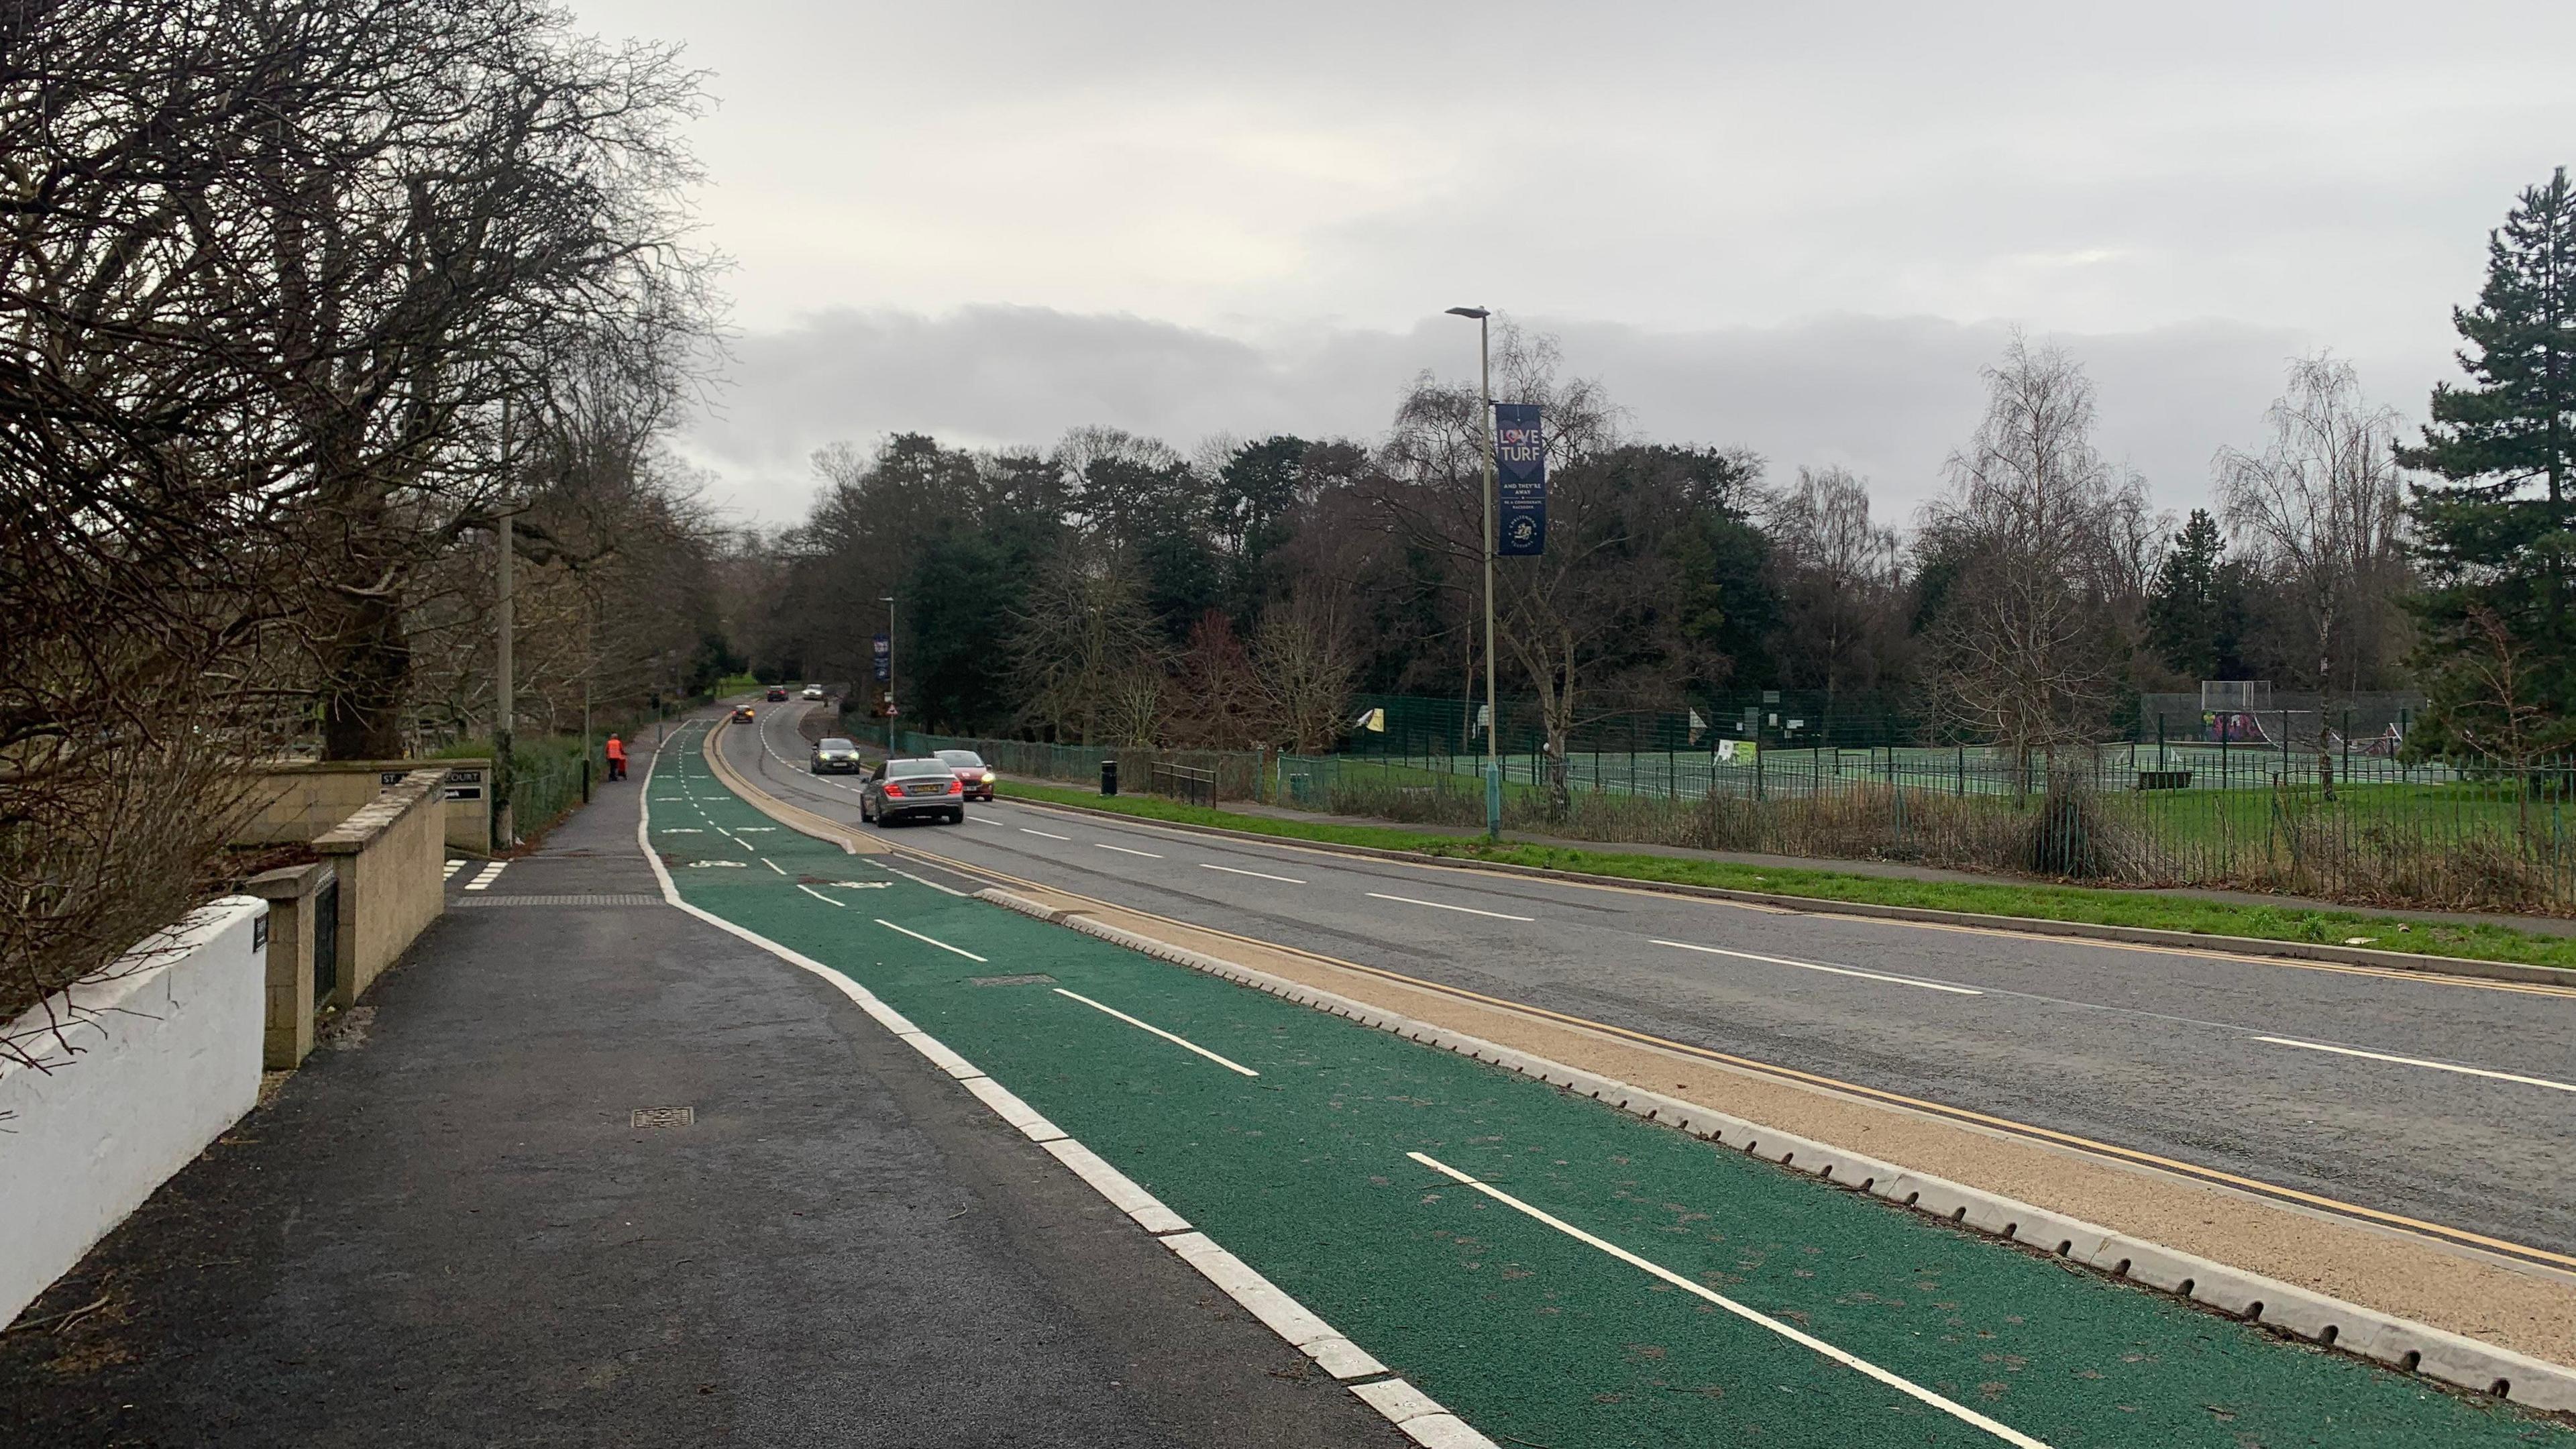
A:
(1032, 980)
(662, 1116)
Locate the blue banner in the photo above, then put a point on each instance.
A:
(885, 658)
(1520, 478)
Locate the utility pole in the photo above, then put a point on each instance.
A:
(890, 705)
(1485, 431)
(505, 688)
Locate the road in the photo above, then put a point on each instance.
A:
(1551, 1271)
(2445, 1100)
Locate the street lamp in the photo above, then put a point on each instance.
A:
(888, 601)
(1485, 432)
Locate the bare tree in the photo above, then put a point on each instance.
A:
(2023, 646)
(1302, 659)
(1839, 573)
(1085, 647)
(2320, 511)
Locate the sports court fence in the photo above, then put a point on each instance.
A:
(2346, 825)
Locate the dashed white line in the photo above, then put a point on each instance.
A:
(1848, 1360)
(1820, 966)
(1443, 906)
(1024, 830)
(1158, 1031)
(1122, 850)
(933, 940)
(1262, 874)
(2318, 1046)
(818, 895)
(773, 865)
(489, 874)
(980, 820)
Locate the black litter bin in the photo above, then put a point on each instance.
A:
(1109, 777)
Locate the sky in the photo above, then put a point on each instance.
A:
(1802, 229)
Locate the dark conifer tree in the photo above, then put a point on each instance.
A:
(2496, 536)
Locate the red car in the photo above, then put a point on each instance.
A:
(777, 694)
(973, 775)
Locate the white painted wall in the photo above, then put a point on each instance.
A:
(155, 1062)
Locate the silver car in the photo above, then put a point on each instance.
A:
(836, 755)
(899, 788)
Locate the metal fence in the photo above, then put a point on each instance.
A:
(2348, 826)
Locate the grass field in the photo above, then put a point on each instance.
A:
(2137, 908)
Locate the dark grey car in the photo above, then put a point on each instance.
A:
(899, 788)
(838, 756)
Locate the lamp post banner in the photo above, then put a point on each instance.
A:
(884, 652)
(1520, 480)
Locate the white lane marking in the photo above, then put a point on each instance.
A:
(1262, 874)
(1024, 830)
(818, 895)
(916, 935)
(1158, 1031)
(1439, 906)
(679, 830)
(1848, 1360)
(2318, 1046)
(1122, 850)
(489, 874)
(980, 820)
(1820, 966)
(917, 880)
(773, 865)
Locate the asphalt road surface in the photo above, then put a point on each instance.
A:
(2442, 1099)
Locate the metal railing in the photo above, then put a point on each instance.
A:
(2346, 825)
(1187, 783)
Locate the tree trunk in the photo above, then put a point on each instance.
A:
(370, 657)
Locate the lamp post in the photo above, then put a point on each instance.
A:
(505, 688)
(888, 601)
(1485, 432)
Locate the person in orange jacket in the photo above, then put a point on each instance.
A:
(616, 758)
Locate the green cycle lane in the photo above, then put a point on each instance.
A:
(1532, 1335)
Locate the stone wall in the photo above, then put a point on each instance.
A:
(300, 799)
(387, 857)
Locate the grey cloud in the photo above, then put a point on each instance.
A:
(1889, 397)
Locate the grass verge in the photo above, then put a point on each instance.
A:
(2135, 908)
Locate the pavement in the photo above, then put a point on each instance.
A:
(445, 1229)
(1554, 1272)
(2441, 1102)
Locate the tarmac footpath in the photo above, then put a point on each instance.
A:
(1554, 1272)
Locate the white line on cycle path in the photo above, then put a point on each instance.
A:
(1848, 1360)
(2318, 1046)
(1820, 966)
(1158, 1031)
(933, 940)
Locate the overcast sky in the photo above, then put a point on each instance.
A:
(1799, 228)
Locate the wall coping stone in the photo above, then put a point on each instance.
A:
(355, 834)
(288, 882)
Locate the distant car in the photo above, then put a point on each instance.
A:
(742, 711)
(973, 775)
(837, 755)
(778, 694)
(899, 788)
(813, 691)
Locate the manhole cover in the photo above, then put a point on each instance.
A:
(1037, 979)
(662, 1116)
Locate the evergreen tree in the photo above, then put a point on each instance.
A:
(2495, 536)
(2196, 606)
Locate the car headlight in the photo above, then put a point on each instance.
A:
(988, 777)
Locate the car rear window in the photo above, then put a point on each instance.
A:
(961, 759)
(838, 745)
(906, 769)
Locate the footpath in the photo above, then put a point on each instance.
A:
(454, 1226)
